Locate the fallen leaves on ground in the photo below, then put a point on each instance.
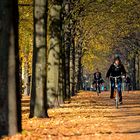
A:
(86, 117)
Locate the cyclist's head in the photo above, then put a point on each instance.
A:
(117, 60)
(97, 70)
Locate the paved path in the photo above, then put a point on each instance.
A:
(107, 122)
(87, 117)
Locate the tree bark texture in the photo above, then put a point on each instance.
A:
(10, 103)
(38, 104)
(54, 95)
(67, 46)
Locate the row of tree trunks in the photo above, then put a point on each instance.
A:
(59, 72)
(61, 65)
(10, 103)
(48, 76)
(72, 55)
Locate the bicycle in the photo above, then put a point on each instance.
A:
(116, 90)
(98, 87)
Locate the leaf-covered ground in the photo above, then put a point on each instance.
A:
(87, 117)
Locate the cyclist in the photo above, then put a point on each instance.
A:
(116, 69)
(97, 77)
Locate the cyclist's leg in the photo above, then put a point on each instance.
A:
(120, 90)
(112, 89)
(99, 86)
(96, 86)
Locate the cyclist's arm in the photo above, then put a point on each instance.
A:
(109, 72)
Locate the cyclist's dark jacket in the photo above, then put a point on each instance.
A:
(97, 76)
(116, 70)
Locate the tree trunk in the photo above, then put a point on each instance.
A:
(72, 68)
(76, 68)
(54, 94)
(80, 71)
(38, 104)
(133, 72)
(29, 85)
(137, 70)
(20, 75)
(25, 76)
(67, 46)
(10, 99)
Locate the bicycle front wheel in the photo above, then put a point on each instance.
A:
(98, 89)
(117, 100)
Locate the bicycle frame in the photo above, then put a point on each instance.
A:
(116, 90)
(98, 87)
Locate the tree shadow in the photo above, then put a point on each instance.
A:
(129, 132)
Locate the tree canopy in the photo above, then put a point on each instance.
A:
(104, 25)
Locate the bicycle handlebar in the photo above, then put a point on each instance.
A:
(116, 77)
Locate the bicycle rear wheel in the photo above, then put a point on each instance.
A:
(117, 100)
(98, 90)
